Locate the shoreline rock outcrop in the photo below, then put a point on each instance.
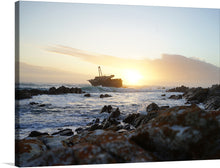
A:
(163, 134)
(28, 93)
(210, 97)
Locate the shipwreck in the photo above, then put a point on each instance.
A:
(106, 81)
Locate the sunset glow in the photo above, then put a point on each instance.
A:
(132, 77)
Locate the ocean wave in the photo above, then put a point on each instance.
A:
(99, 89)
(88, 88)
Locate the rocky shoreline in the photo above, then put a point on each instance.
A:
(161, 134)
(210, 97)
(28, 93)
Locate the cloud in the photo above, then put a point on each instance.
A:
(91, 57)
(33, 73)
(169, 69)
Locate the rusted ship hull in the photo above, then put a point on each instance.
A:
(106, 82)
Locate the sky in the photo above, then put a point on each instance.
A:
(65, 42)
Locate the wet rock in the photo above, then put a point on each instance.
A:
(196, 94)
(213, 103)
(95, 126)
(42, 105)
(64, 90)
(33, 103)
(22, 94)
(65, 132)
(131, 117)
(36, 134)
(127, 127)
(152, 107)
(79, 130)
(93, 122)
(179, 89)
(104, 95)
(115, 114)
(109, 122)
(137, 119)
(164, 107)
(176, 97)
(107, 109)
(163, 95)
(87, 95)
(181, 133)
(52, 90)
(122, 131)
(213, 99)
(28, 93)
(214, 91)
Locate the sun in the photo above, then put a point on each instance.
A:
(131, 77)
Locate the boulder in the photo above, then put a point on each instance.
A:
(212, 103)
(178, 89)
(104, 95)
(176, 97)
(79, 130)
(115, 114)
(87, 95)
(181, 133)
(65, 132)
(131, 118)
(95, 126)
(28, 149)
(196, 94)
(107, 109)
(152, 107)
(33, 103)
(36, 134)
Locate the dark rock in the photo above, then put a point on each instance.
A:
(127, 127)
(36, 134)
(42, 105)
(176, 97)
(28, 93)
(152, 107)
(107, 109)
(95, 126)
(115, 114)
(87, 95)
(164, 107)
(97, 120)
(33, 103)
(64, 90)
(52, 90)
(109, 122)
(163, 95)
(65, 132)
(213, 103)
(179, 89)
(22, 94)
(93, 122)
(104, 95)
(196, 94)
(79, 130)
(131, 117)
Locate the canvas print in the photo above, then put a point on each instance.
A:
(102, 84)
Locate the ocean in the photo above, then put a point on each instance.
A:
(53, 112)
